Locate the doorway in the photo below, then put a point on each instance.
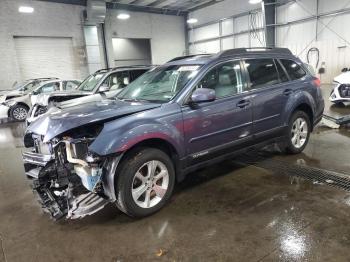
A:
(131, 51)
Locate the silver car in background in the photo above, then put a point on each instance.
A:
(17, 103)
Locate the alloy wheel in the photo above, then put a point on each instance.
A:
(150, 183)
(19, 113)
(299, 132)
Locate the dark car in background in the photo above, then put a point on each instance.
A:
(103, 83)
(178, 117)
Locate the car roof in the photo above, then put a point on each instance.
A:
(201, 59)
(125, 68)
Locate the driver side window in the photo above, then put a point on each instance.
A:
(225, 79)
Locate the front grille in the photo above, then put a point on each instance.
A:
(344, 91)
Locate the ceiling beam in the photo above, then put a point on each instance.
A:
(71, 2)
(204, 4)
(146, 9)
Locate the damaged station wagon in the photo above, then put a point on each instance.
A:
(190, 112)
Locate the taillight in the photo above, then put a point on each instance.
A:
(317, 82)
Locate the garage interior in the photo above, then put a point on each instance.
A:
(262, 205)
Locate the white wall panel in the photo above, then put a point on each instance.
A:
(335, 29)
(241, 40)
(227, 27)
(241, 24)
(296, 10)
(210, 47)
(295, 33)
(328, 6)
(206, 32)
(227, 43)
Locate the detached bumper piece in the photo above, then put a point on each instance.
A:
(36, 159)
(85, 205)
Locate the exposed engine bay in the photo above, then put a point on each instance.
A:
(65, 176)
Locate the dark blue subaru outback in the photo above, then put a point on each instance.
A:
(188, 113)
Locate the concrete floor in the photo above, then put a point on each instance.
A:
(227, 212)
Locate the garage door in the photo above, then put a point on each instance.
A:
(45, 57)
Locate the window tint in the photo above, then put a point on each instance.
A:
(293, 69)
(117, 80)
(70, 85)
(262, 72)
(281, 72)
(225, 79)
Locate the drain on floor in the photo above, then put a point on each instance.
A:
(316, 175)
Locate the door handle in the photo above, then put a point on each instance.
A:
(243, 103)
(287, 92)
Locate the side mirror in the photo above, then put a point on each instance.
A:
(103, 89)
(201, 95)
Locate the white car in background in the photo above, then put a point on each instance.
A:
(17, 104)
(341, 88)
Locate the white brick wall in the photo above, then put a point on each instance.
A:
(48, 19)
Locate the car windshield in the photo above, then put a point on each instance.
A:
(160, 84)
(90, 82)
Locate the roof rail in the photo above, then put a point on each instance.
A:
(187, 56)
(121, 67)
(237, 51)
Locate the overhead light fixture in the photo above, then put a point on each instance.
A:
(192, 21)
(26, 9)
(253, 2)
(123, 16)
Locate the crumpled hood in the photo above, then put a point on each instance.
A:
(12, 93)
(43, 99)
(60, 120)
(343, 78)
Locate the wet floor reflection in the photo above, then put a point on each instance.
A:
(224, 212)
(11, 134)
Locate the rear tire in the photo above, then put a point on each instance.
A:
(19, 112)
(145, 182)
(298, 132)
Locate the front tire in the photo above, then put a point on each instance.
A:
(145, 182)
(19, 112)
(299, 130)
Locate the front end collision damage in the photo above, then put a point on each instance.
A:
(70, 178)
(66, 177)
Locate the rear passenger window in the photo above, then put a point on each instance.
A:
(262, 72)
(281, 72)
(294, 70)
(225, 79)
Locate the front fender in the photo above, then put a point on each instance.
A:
(298, 98)
(122, 134)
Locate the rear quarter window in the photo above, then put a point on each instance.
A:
(262, 72)
(294, 70)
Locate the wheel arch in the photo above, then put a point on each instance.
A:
(116, 159)
(306, 109)
(18, 103)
